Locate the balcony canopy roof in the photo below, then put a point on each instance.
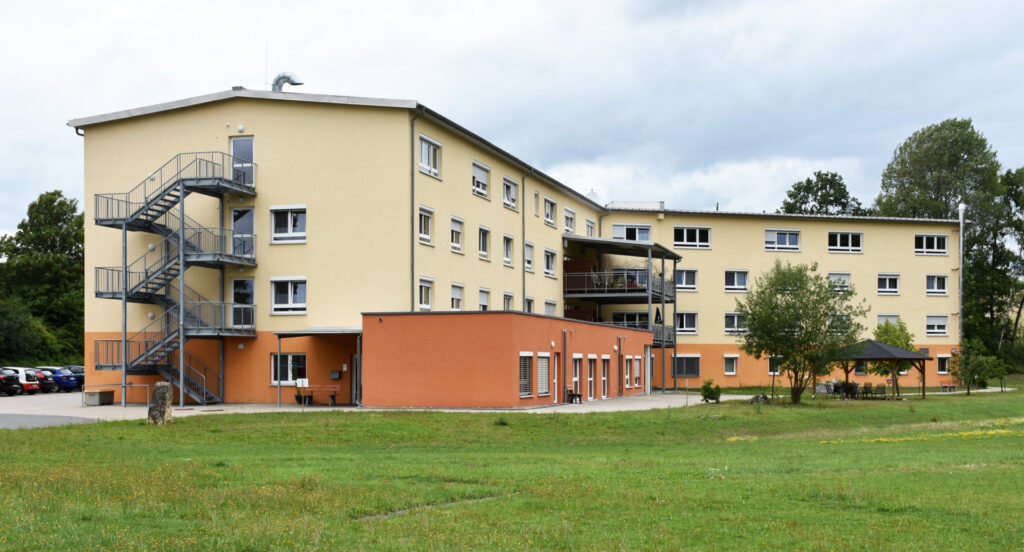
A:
(612, 246)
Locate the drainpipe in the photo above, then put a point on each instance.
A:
(225, 311)
(414, 211)
(962, 209)
(618, 360)
(565, 374)
(124, 313)
(277, 371)
(357, 368)
(600, 227)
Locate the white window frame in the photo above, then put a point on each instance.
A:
(543, 380)
(551, 270)
(938, 364)
(620, 231)
(686, 355)
(457, 245)
(638, 365)
(934, 250)
(291, 381)
(737, 328)
(840, 281)
(695, 243)
(484, 299)
(591, 377)
(529, 375)
(606, 361)
(426, 214)
(627, 368)
(481, 188)
(860, 368)
(735, 364)
(936, 332)
(773, 243)
(736, 288)
(570, 220)
(684, 286)
(577, 369)
(432, 165)
(888, 290)
(239, 164)
(426, 291)
(934, 292)
(849, 247)
(528, 304)
(591, 227)
(882, 318)
(290, 235)
(550, 209)
(508, 248)
(778, 367)
(681, 318)
(508, 301)
(510, 200)
(483, 243)
(291, 308)
(457, 297)
(528, 256)
(551, 306)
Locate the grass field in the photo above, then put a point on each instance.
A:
(940, 474)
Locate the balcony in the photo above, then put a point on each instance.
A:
(664, 336)
(621, 287)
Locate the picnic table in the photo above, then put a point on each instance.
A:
(310, 390)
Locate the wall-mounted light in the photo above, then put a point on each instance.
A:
(615, 347)
(241, 346)
(552, 344)
(241, 128)
(150, 316)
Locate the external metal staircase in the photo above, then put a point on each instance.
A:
(156, 206)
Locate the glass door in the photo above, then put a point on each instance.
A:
(242, 242)
(243, 313)
(242, 167)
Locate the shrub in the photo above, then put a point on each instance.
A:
(711, 392)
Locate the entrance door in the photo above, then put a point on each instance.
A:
(242, 241)
(242, 311)
(242, 167)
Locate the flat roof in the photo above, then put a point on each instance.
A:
(346, 330)
(622, 247)
(631, 207)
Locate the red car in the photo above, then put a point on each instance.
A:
(27, 379)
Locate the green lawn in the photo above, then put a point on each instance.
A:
(940, 474)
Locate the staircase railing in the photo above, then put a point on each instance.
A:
(200, 372)
(195, 165)
(156, 336)
(154, 261)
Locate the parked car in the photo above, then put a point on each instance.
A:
(9, 382)
(27, 379)
(79, 372)
(46, 381)
(65, 380)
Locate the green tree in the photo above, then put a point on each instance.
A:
(24, 338)
(973, 368)
(896, 335)
(825, 194)
(44, 269)
(794, 314)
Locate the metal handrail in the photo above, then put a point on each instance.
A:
(662, 333)
(206, 374)
(615, 282)
(142, 343)
(193, 165)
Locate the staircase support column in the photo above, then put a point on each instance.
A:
(124, 313)
(181, 292)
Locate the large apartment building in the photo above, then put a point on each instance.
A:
(246, 241)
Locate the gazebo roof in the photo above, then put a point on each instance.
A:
(869, 349)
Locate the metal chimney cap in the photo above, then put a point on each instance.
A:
(285, 78)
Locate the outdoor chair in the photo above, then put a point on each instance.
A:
(880, 391)
(828, 388)
(851, 390)
(837, 390)
(865, 392)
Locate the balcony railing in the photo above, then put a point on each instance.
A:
(662, 334)
(616, 282)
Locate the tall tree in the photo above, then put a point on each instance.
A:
(44, 269)
(825, 194)
(931, 173)
(795, 315)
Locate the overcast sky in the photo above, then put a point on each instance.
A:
(690, 103)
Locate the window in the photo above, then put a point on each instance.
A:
(686, 366)
(481, 179)
(536, 204)
(289, 295)
(242, 312)
(686, 323)
(550, 307)
(735, 323)
(774, 367)
(484, 243)
(543, 372)
(525, 374)
(631, 232)
(456, 297)
(591, 226)
(631, 319)
(549, 211)
(840, 280)
(426, 225)
(510, 193)
(457, 235)
(605, 361)
(430, 156)
(884, 319)
(860, 369)
(528, 257)
(686, 279)
(243, 170)
(507, 302)
(729, 368)
(627, 367)
(844, 242)
(782, 240)
(930, 244)
(637, 371)
(426, 291)
(888, 284)
(549, 263)
(632, 278)
(943, 364)
(570, 221)
(506, 250)
(289, 224)
(485, 299)
(735, 280)
(287, 368)
(591, 376)
(577, 366)
(935, 324)
(528, 304)
(935, 284)
(692, 237)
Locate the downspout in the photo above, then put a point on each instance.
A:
(277, 370)
(565, 374)
(124, 313)
(600, 226)
(414, 211)
(522, 217)
(357, 369)
(225, 310)
(618, 359)
(962, 209)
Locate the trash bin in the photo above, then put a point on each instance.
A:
(99, 398)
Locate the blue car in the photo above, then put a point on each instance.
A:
(78, 372)
(65, 379)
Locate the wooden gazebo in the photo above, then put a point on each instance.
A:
(870, 350)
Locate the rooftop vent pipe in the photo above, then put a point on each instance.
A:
(285, 78)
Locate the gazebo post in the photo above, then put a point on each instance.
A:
(921, 369)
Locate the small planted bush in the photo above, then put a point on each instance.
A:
(711, 392)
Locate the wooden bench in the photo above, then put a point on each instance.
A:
(331, 390)
(947, 386)
(573, 397)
